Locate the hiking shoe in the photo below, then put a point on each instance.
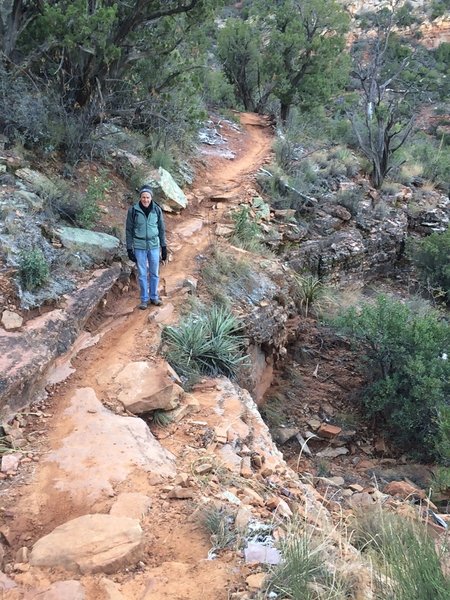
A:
(157, 302)
(143, 305)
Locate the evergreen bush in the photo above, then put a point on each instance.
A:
(432, 258)
(408, 373)
(89, 210)
(247, 234)
(33, 268)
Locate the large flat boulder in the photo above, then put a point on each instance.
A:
(102, 450)
(101, 247)
(168, 193)
(90, 544)
(36, 181)
(144, 387)
(26, 355)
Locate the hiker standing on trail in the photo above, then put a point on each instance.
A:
(146, 243)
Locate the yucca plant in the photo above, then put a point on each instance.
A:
(207, 343)
(404, 554)
(246, 233)
(218, 522)
(303, 573)
(299, 568)
(412, 565)
(310, 293)
(161, 418)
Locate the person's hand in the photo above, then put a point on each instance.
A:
(163, 253)
(131, 254)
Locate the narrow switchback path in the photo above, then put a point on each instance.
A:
(80, 470)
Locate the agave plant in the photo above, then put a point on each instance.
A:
(309, 291)
(208, 343)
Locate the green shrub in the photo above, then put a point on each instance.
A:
(349, 199)
(247, 234)
(435, 160)
(218, 523)
(408, 374)
(217, 91)
(284, 154)
(162, 158)
(223, 271)
(33, 268)
(406, 557)
(61, 200)
(272, 412)
(207, 343)
(303, 574)
(432, 258)
(161, 418)
(304, 176)
(439, 8)
(5, 446)
(301, 567)
(89, 212)
(341, 131)
(441, 481)
(309, 294)
(73, 132)
(25, 110)
(404, 16)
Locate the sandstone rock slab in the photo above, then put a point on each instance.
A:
(146, 386)
(110, 590)
(62, 590)
(102, 450)
(90, 544)
(131, 504)
(26, 355)
(404, 490)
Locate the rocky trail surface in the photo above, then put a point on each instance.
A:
(97, 507)
(100, 502)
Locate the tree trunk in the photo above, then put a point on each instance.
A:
(376, 177)
(284, 112)
(10, 22)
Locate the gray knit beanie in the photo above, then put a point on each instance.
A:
(146, 188)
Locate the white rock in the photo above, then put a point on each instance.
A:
(6, 583)
(11, 320)
(10, 462)
(257, 553)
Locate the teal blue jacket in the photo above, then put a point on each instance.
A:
(144, 233)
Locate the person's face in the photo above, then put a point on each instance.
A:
(146, 198)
